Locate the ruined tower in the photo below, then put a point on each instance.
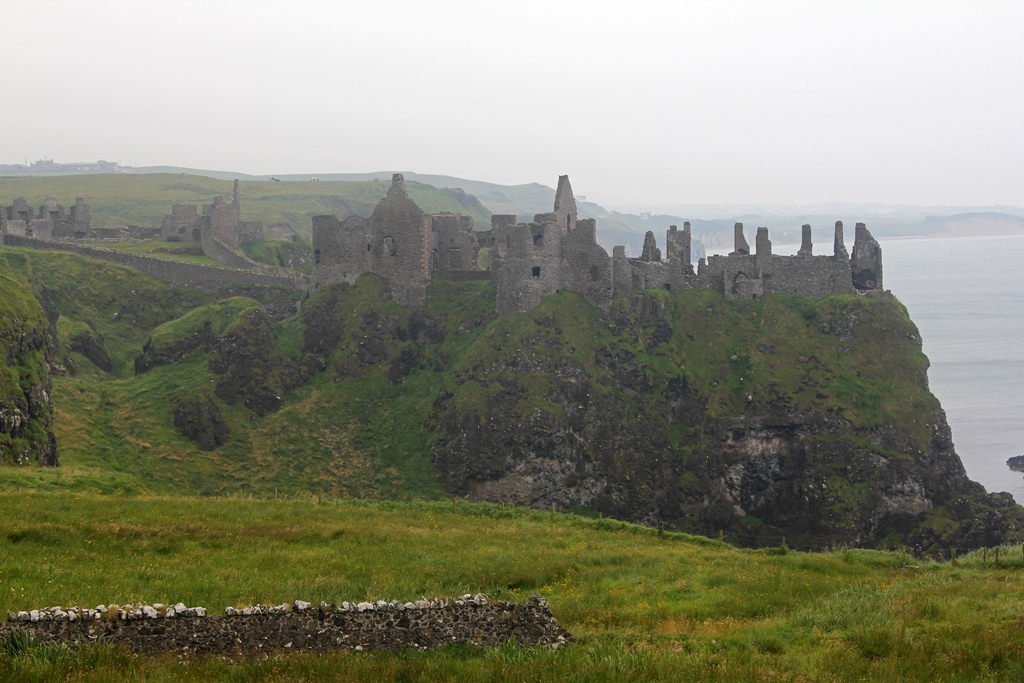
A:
(565, 205)
(866, 262)
(740, 246)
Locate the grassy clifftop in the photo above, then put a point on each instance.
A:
(145, 199)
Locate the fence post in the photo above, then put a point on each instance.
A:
(952, 556)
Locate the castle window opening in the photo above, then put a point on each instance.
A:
(594, 274)
(536, 271)
(538, 240)
(316, 257)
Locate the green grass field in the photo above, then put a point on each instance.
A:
(644, 605)
(144, 199)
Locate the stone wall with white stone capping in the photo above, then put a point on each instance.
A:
(299, 625)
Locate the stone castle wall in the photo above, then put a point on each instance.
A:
(340, 249)
(557, 251)
(398, 247)
(398, 241)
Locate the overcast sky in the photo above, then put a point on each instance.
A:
(641, 103)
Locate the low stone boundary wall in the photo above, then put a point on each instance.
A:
(424, 624)
(178, 273)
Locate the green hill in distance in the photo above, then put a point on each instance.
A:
(286, 208)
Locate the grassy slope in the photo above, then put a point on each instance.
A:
(644, 605)
(748, 354)
(145, 199)
(339, 435)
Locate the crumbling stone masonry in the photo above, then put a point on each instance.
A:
(559, 250)
(52, 221)
(218, 229)
(424, 624)
(746, 276)
(220, 220)
(398, 241)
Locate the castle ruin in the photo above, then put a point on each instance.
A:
(221, 220)
(218, 228)
(398, 241)
(559, 250)
(52, 221)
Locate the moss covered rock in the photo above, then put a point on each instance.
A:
(27, 347)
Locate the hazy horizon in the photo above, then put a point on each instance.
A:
(644, 105)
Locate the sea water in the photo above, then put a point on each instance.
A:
(966, 295)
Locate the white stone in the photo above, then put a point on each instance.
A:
(363, 606)
(302, 605)
(199, 611)
(150, 612)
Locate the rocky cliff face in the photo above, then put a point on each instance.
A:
(786, 418)
(27, 346)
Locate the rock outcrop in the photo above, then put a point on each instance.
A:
(809, 421)
(28, 349)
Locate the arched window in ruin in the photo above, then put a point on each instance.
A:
(536, 271)
(738, 281)
(316, 257)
